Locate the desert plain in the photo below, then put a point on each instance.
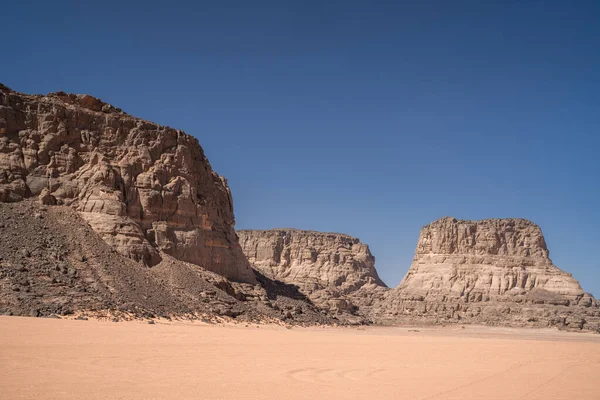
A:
(71, 359)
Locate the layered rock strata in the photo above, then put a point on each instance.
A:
(146, 189)
(485, 260)
(328, 267)
(149, 198)
(494, 271)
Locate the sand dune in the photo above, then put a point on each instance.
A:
(68, 359)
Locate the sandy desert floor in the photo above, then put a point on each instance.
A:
(69, 359)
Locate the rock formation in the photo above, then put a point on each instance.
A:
(147, 189)
(485, 260)
(53, 263)
(101, 210)
(491, 271)
(495, 272)
(328, 267)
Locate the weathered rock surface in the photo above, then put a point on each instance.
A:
(100, 210)
(328, 267)
(494, 271)
(484, 260)
(148, 190)
(53, 263)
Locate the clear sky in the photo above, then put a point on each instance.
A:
(371, 118)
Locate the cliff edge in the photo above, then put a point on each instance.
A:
(146, 189)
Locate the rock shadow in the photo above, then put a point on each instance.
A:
(275, 288)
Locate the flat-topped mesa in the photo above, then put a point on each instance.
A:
(494, 272)
(478, 260)
(146, 189)
(325, 266)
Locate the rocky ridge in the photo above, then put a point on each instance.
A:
(330, 268)
(495, 272)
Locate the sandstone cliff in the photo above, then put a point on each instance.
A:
(108, 211)
(491, 271)
(328, 267)
(495, 272)
(483, 260)
(147, 189)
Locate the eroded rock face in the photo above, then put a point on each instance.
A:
(146, 189)
(150, 193)
(494, 272)
(491, 271)
(483, 260)
(53, 263)
(327, 267)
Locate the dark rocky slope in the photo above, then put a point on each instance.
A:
(494, 272)
(53, 263)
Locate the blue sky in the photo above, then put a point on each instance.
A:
(364, 117)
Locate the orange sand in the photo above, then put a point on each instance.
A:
(68, 359)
